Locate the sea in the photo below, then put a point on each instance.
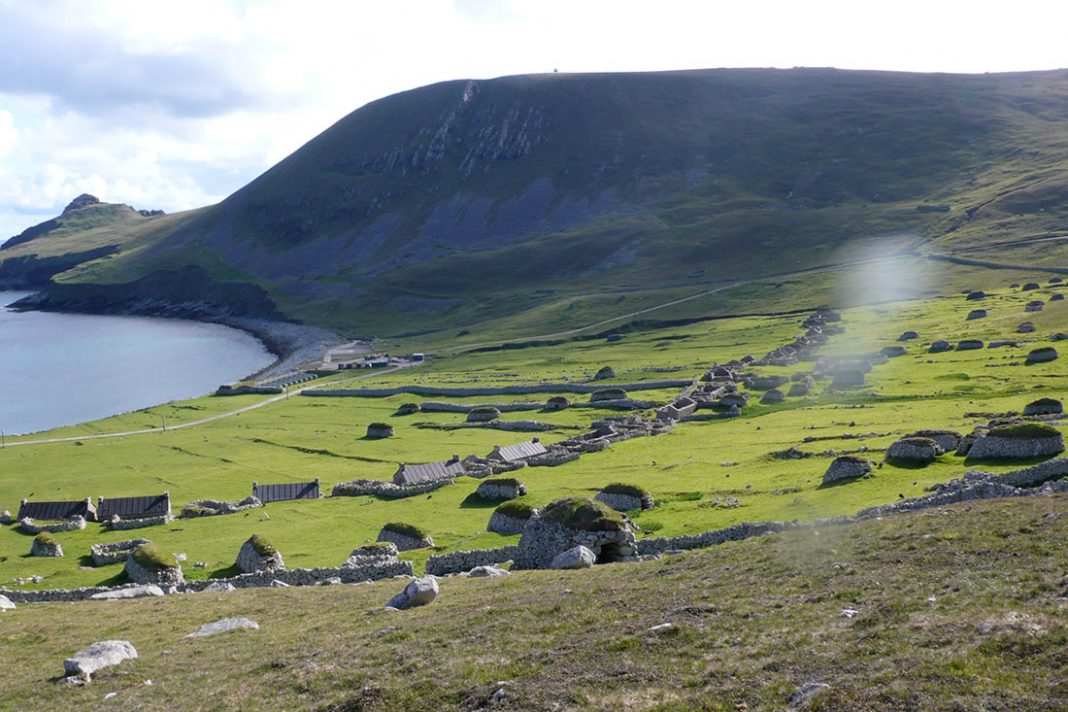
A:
(65, 369)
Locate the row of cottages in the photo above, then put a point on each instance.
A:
(434, 471)
(105, 510)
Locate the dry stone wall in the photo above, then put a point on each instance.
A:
(460, 561)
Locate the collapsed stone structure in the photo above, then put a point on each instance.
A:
(214, 507)
(372, 555)
(147, 564)
(570, 522)
(115, 552)
(405, 536)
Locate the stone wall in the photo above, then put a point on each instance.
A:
(214, 507)
(123, 524)
(67, 525)
(440, 391)
(379, 488)
(114, 552)
(439, 407)
(459, 561)
(745, 530)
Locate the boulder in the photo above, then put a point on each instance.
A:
(1025, 327)
(577, 557)
(908, 336)
(846, 467)
(1042, 355)
(6, 604)
(419, 592)
(259, 554)
(128, 592)
(605, 373)
(772, 396)
(922, 451)
(377, 431)
(98, 655)
(1044, 406)
(976, 314)
(939, 346)
(226, 625)
(488, 571)
(969, 345)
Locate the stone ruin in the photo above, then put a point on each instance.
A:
(214, 507)
(948, 440)
(258, 554)
(501, 489)
(405, 536)
(115, 552)
(29, 526)
(922, 451)
(566, 523)
(847, 467)
(1044, 406)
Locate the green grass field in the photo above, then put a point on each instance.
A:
(688, 471)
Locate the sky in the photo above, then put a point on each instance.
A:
(175, 105)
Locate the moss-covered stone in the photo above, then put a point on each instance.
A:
(584, 514)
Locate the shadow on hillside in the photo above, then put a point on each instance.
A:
(473, 501)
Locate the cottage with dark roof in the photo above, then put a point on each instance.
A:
(152, 506)
(286, 491)
(429, 472)
(518, 452)
(56, 511)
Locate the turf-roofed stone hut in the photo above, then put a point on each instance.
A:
(969, 345)
(948, 440)
(608, 394)
(377, 431)
(908, 336)
(772, 396)
(1026, 327)
(940, 346)
(520, 452)
(408, 409)
(150, 564)
(132, 512)
(1044, 406)
(1042, 355)
(55, 511)
(45, 545)
(405, 536)
(286, 491)
(377, 554)
(429, 472)
(1017, 441)
(259, 554)
(498, 489)
(483, 414)
(625, 498)
(510, 518)
(976, 314)
(575, 521)
(846, 467)
(557, 403)
(914, 450)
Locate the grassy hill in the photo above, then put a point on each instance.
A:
(958, 608)
(473, 202)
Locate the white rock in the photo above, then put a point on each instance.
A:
(120, 594)
(419, 592)
(578, 557)
(219, 587)
(487, 572)
(849, 612)
(662, 628)
(99, 655)
(224, 626)
(279, 584)
(6, 604)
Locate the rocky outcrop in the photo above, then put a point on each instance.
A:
(922, 451)
(846, 467)
(257, 554)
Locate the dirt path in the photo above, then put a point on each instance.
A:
(194, 423)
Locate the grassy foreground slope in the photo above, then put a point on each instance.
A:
(958, 608)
